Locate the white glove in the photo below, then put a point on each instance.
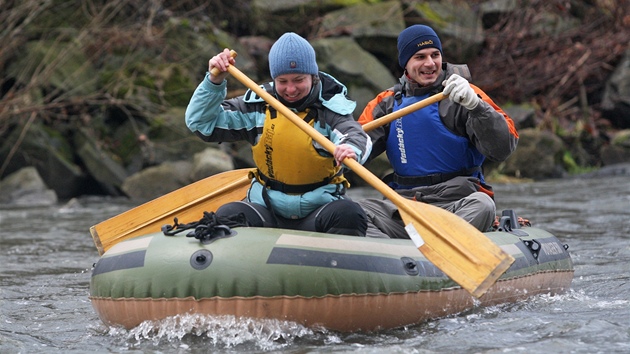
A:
(459, 91)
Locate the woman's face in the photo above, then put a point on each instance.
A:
(293, 87)
(425, 66)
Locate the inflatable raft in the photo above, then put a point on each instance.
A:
(340, 283)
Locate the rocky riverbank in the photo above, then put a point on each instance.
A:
(92, 99)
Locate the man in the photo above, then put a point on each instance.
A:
(436, 152)
(297, 184)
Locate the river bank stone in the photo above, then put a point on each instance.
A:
(25, 188)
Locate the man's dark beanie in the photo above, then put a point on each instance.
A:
(414, 38)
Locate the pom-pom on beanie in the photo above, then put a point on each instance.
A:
(414, 38)
(292, 54)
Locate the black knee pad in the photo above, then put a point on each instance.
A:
(342, 217)
(256, 215)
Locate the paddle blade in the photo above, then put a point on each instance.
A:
(187, 204)
(456, 247)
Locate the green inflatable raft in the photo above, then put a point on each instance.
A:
(340, 283)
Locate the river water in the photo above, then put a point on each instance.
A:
(47, 254)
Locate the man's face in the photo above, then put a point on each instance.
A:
(425, 66)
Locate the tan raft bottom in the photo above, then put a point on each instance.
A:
(344, 313)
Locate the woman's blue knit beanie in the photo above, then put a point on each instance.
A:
(292, 54)
(414, 38)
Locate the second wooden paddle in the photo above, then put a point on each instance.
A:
(187, 203)
(194, 199)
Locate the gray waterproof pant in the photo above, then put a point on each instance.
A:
(384, 221)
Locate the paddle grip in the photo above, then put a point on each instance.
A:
(216, 71)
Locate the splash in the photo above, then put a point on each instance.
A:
(219, 331)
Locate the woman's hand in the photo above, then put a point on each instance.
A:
(344, 151)
(221, 62)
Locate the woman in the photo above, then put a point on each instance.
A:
(296, 184)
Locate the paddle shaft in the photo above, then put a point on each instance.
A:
(388, 118)
(354, 165)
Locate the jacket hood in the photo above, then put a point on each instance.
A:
(327, 92)
(334, 95)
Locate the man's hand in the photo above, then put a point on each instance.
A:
(459, 91)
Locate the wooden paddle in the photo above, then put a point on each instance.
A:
(404, 111)
(452, 244)
(233, 185)
(207, 194)
(187, 203)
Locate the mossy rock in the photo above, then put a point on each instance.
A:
(51, 65)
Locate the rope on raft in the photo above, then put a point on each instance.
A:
(209, 228)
